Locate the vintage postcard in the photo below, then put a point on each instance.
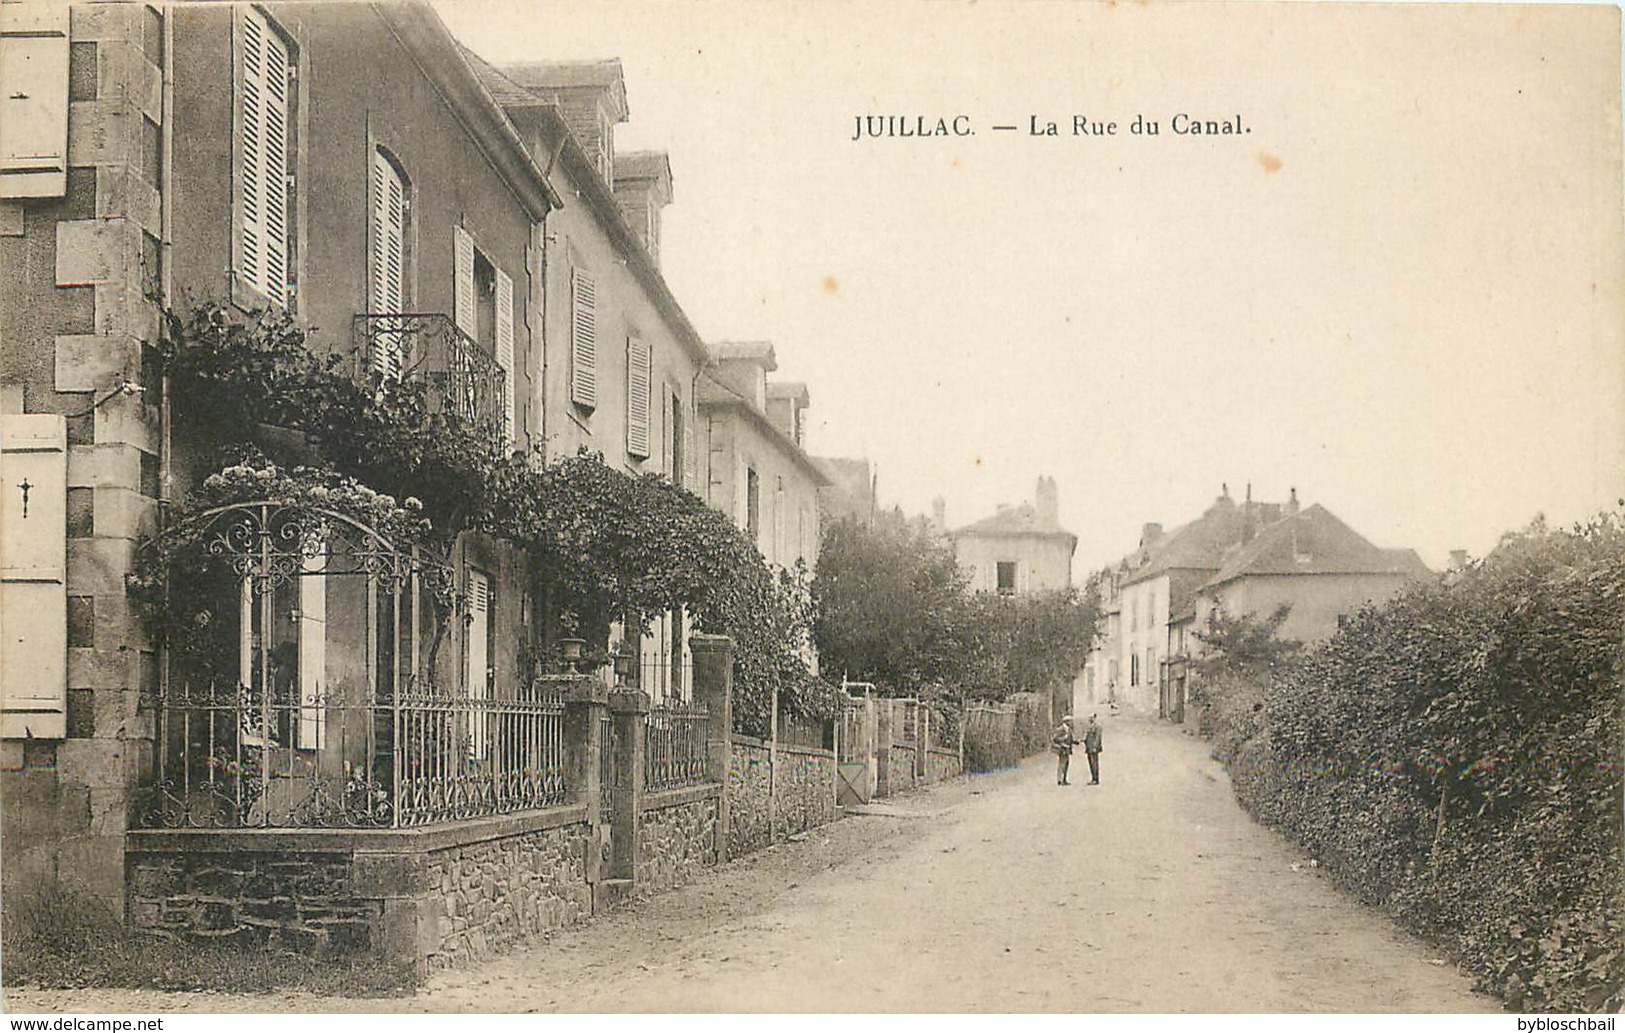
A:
(1036, 507)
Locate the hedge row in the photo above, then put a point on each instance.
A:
(1455, 757)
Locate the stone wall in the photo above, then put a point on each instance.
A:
(677, 836)
(941, 765)
(497, 892)
(298, 901)
(900, 769)
(421, 896)
(803, 788)
(748, 787)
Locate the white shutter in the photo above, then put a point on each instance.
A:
(510, 429)
(583, 340)
(263, 176)
(638, 387)
(463, 298)
(388, 254)
(690, 458)
(33, 100)
(33, 576)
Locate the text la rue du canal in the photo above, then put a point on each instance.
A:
(879, 127)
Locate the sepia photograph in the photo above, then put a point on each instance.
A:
(1041, 507)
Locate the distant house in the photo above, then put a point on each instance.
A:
(1249, 558)
(1316, 564)
(1155, 582)
(1019, 549)
(850, 494)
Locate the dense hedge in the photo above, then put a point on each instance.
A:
(1455, 757)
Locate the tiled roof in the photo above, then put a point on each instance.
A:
(1013, 520)
(1315, 542)
(1200, 544)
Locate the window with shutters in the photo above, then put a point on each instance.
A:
(753, 507)
(638, 386)
(34, 76)
(387, 295)
(678, 450)
(583, 339)
(264, 158)
(1005, 577)
(483, 303)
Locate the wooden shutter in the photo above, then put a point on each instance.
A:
(583, 339)
(33, 100)
(388, 259)
(33, 576)
(510, 429)
(263, 97)
(638, 387)
(690, 459)
(464, 313)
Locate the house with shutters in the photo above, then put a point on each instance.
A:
(623, 359)
(1018, 550)
(423, 217)
(757, 469)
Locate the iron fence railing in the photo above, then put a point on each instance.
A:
(676, 745)
(462, 377)
(234, 757)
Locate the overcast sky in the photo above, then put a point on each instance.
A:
(1401, 292)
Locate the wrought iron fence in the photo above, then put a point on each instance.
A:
(237, 757)
(676, 746)
(461, 375)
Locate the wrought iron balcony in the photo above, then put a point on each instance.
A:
(462, 377)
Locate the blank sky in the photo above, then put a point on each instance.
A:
(1400, 293)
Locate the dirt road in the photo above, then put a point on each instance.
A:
(1151, 892)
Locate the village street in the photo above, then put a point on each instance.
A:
(1151, 892)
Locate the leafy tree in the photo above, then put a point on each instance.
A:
(1245, 645)
(887, 600)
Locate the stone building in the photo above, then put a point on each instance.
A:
(422, 217)
(1019, 549)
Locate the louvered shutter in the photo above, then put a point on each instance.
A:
(638, 377)
(33, 100)
(388, 253)
(463, 296)
(263, 175)
(33, 576)
(690, 459)
(510, 429)
(583, 340)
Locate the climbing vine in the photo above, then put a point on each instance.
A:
(605, 547)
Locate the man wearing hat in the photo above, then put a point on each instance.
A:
(1062, 742)
(1091, 746)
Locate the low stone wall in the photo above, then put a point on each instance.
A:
(900, 768)
(803, 788)
(427, 897)
(496, 892)
(677, 836)
(941, 765)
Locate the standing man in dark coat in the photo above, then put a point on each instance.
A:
(1091, 746)
(1062, 742)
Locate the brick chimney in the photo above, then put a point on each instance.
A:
(939, 513)
(1292, 503)
(1458, 559)
(1047, 503)
(1149, 533)
(591, 95)
(642, 189)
